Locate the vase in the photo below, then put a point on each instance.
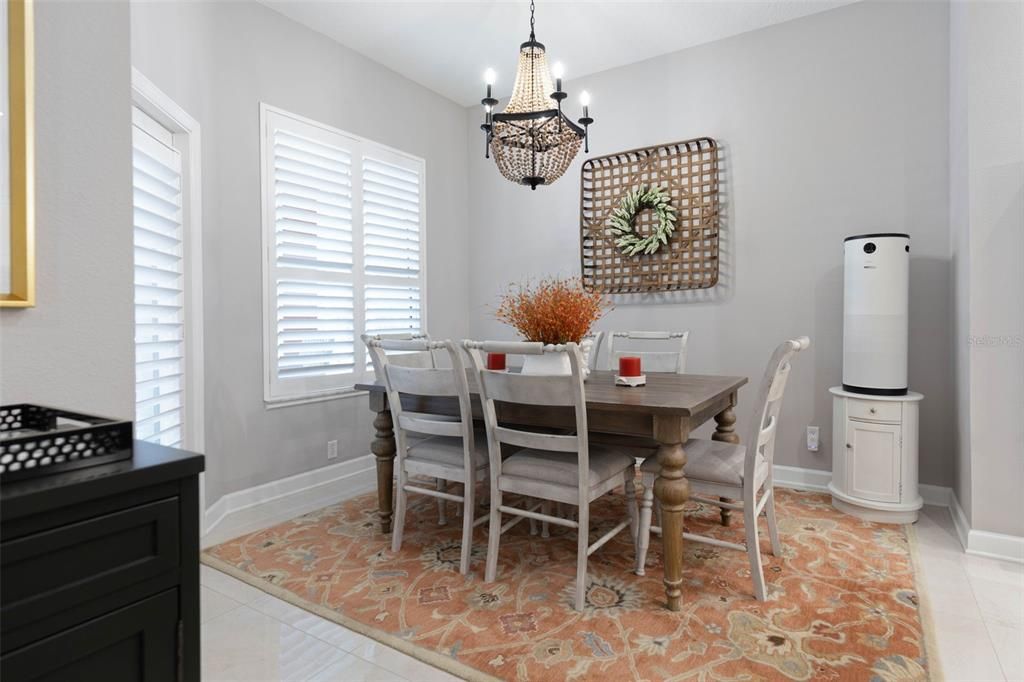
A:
(556, 364)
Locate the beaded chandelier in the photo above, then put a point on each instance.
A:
(532, 141)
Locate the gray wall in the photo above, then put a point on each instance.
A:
(989, 195)
(219, 60)
(74, 349)
(833, 124)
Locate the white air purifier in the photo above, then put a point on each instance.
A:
(876, 296)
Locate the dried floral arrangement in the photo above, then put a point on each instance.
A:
(554, 310)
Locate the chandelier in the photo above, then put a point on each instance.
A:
(532, 141)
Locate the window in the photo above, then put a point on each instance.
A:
(168, 267)
(343, 235)
(159, 283)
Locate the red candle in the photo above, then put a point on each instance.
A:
(629, 366)
(496, 361)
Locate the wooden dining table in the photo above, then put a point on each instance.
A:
(660, 415)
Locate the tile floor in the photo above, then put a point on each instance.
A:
(247, 635)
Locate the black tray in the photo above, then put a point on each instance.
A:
(37, 441)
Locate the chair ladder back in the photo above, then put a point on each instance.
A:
(536, 390)
(672, 361)
(425, 381)
(550, 391)
(429, 381)
(761, 442)
(597, 339)
(423, 358)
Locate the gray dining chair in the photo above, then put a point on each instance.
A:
(719, 472)
(410, 359)
(550, 467)
(437, 446)
(659, 351)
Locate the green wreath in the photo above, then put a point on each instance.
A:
(622, 218)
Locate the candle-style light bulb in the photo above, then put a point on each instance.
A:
(558, 70)
(489, 77)
(586, 120)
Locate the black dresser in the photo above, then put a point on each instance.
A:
(99, 571)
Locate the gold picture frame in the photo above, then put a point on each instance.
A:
(20, 292)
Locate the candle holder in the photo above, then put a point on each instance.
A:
(629, 372)
(632, 382)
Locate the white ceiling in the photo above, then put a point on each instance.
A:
(446, 46)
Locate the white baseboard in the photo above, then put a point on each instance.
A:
(960, 523)
(985, 543)
(249, 510)
(799, 478)
(285, 498)
(817, 480)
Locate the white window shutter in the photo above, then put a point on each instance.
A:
(159, 284)
(315, 328)
(343, 226)
(313, 203)
(391, 219)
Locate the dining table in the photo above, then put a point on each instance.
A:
(660, 415)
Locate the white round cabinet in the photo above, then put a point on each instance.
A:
(874, 455)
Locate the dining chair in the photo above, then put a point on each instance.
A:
(665, 350)
(550, 467)
(412, 359)
(717, 469)
(452, 450)
(597, 338)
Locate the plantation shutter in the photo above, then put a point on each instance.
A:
(392, 201)
(159, 283)
(344, 256)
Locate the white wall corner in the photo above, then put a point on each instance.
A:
(937, 495)
(986, 543)
(963, 528)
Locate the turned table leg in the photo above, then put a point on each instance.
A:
(726, 432)
(672, 490)
(383, 446)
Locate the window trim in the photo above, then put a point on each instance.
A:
(272, 401)
(187, 139)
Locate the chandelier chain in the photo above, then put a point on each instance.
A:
(532, 7)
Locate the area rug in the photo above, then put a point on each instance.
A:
(843, 602)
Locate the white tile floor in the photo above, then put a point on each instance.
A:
(977, 603)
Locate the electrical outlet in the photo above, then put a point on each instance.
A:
(332, 449)
(812, 438)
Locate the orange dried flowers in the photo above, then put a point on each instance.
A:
(555, 310)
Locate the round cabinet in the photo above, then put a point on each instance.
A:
(874, 456)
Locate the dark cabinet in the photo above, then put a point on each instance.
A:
(99, 571)
(137, 642)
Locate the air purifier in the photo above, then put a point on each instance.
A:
(876, 296)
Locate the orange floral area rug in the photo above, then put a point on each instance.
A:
(843, 603)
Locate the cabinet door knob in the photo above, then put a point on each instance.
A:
(849, 447)
(872, 410)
